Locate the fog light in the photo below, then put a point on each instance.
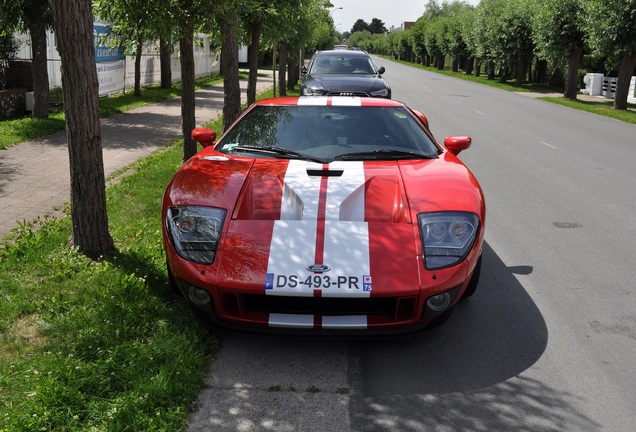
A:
(439, 302)
(199, 296)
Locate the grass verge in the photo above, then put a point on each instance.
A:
(603, 108)
(100, 345)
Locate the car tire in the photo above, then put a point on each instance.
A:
(474, 280)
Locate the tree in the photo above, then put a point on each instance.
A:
(187, 10)
(507, 34)
(35, 17)
(557, 31)
(229, 66)
(74, 30)
(253, 19)
(377, 26)
(8, 47)
(359, 25)
(611, 26)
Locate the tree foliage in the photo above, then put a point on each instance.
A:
(611, 30)
(511, 37)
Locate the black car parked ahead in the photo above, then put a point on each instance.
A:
(343, 72)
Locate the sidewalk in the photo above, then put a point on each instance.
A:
(35, 178)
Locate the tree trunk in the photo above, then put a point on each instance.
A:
(503, 74)
(37, 29)
(477, 67)
(165, 49)
(293, 75)
(282, 66)
(253, 62)
(540, 71)
(455, 64)
(519, 69)
(188, 116)
(470, 64)
(572, 83)
(229, 60)
(625, 71)
(74, 29)
(491, 70)
(138, 66)
(441, 62)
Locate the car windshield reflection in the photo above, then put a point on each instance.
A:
(342, 65)
(324, 133)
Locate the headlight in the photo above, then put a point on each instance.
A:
(447, 237)
(380, 93)
(195, 231)
(313, 91)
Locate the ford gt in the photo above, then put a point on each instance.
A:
(325, 216)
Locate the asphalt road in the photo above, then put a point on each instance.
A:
(548, 342)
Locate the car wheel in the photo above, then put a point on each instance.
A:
(474, 280)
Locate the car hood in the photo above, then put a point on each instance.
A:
(348, 217)
(347, 82)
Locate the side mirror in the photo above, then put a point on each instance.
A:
(303, 70)
(422, 117)
(203, 136)
(381, 70)
(455, 144)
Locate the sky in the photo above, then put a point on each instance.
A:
(391, 12)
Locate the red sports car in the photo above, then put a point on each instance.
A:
(325, 215)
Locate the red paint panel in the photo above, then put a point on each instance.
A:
(243, 261)
(262, 193)
(385, 199)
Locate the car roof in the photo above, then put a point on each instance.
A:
(340, 53)
(329, 101)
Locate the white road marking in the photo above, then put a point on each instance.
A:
(549, 145)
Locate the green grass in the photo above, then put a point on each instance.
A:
(602, 107)
(14, 131)
(100, 345)
(482, 79)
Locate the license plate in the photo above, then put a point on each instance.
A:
(318, 282)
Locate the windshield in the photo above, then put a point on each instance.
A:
(342, 64)
(327, 133)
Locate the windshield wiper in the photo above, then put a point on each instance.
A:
(279, 151)
(382, 154)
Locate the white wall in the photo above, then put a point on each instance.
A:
(205, 61)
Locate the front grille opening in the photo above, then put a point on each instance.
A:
(230, 304)
(405, 308)
(320, 305)
(338, 93)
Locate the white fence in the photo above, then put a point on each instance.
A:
(206, 62)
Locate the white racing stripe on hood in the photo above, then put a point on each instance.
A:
(300, 191)
(295, 244)
(346, 101)
(313, 100)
